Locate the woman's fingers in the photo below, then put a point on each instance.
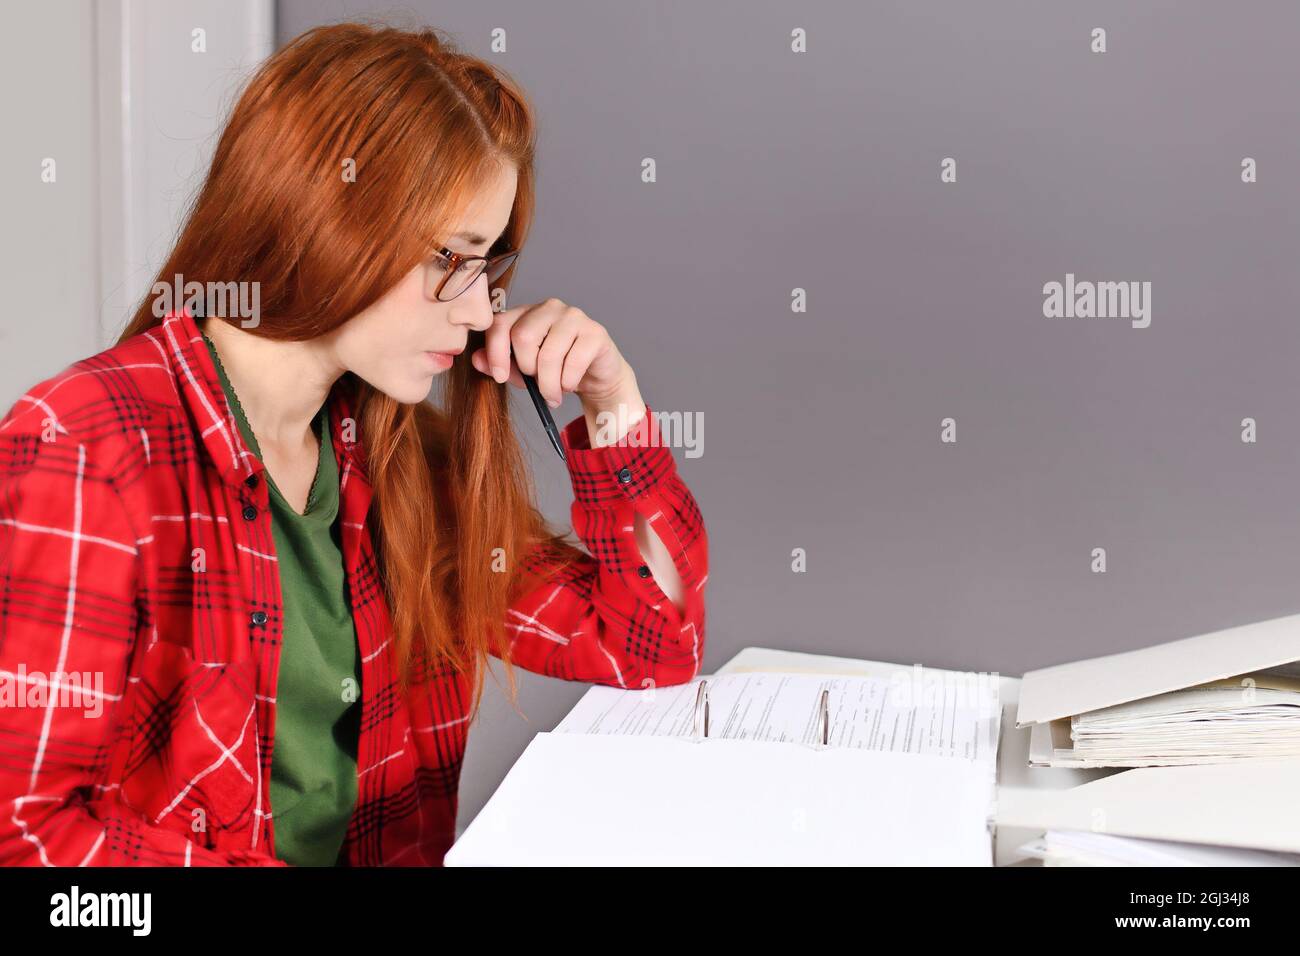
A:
(497, 342)
(479, 360)
(579, 359)
(552, 358)
(551, 340)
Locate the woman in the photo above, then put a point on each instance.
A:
(249, 577)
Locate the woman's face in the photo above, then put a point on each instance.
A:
(394, 344)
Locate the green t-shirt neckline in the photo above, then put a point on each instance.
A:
(318, 709)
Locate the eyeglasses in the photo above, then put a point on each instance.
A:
(448, 273)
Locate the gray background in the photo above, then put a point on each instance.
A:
(821, 170)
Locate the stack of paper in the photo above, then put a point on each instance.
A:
(1255, 715)
(942, 713)
(1214, 699)
(1081, 848)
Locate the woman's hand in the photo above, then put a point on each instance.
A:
(569, 352)
(565, 349)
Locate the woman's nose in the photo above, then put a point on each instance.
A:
(475, 307)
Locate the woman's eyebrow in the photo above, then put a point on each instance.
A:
(472, 238)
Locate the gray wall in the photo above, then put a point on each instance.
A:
(821, 171)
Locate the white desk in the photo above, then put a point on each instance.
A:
(1021, 788)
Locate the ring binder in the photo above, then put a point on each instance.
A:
(700, 723)
(702, 710)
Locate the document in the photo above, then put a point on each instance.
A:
(647, 800)
(1254, 715)
(937, 713)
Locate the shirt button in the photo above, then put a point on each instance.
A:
(643, 571)
(624, 475)
(258, 618)
(249, 512)
(251, 481)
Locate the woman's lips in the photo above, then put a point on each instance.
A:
(442, 359)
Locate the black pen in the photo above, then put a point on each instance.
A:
(544, 410)
(539, 403)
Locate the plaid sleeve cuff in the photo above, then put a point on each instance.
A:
(621, 472)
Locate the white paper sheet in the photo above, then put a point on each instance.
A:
(952, 714)
(601, 799)
(1250, 716)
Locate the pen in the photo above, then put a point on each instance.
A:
(539, 403)
(544, 411)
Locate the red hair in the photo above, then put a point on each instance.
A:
(426, 127)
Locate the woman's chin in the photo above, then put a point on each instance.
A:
(410, 391)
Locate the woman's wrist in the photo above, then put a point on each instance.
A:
(612, 414)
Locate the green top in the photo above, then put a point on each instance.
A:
(318, 709)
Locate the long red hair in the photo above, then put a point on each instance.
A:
(424, 125)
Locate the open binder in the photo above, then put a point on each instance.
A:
(699, 799)
(1051, 696)
(1247, 802)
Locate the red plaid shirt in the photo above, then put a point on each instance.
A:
(137, 563)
